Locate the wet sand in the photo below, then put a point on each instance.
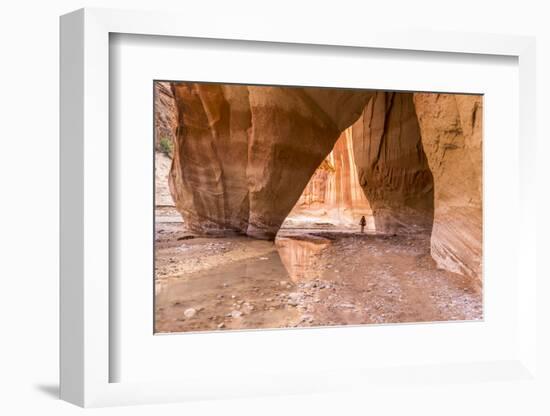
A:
(307, 277)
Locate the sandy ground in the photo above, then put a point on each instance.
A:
(306, 278)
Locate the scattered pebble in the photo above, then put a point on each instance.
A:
(189, 313)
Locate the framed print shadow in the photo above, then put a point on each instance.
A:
(287, 221)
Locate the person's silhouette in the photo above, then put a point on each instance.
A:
(362, 223)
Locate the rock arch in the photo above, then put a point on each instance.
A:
(243, 155)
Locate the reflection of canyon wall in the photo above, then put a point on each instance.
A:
(333, 194)
(299, 256)
(451, 127)
(244, 154)
(392, 166)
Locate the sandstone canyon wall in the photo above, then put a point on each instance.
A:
(392, 167)
(165, 129)
(333, 195)
(451, 127)
(244, 154)
(419, 159)
(165, 113)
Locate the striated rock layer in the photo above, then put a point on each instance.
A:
(165, 129)
(392, 167)
(333, 194)
(165, 113)
(451, 127)
(244, 154)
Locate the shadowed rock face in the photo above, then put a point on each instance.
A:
(244, 154)
(392, 167)
(451, 127)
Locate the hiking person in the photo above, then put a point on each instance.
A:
(362, 223)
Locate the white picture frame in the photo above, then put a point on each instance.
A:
(86, 356)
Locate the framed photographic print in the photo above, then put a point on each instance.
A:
(281, 207)
(271, 214)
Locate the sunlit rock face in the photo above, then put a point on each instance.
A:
(333, 196)
(392, 167)
(451, 127)
(165, 129)
(244, 154)
(165, 113)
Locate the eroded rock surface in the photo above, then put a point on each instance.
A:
(165, 129)
(244, 154)
(451, 127)
(392, 167)
(333, 195)
(165, 113)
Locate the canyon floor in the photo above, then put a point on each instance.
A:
(307, 277)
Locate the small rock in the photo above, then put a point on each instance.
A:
(264, 258)
(247, 308)
(189, 313)
(269, 300)
(233, 296)
(220, 326)
(306, 318)
(236, 314)
(283, 282)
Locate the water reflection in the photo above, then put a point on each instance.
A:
(301, 256)
(248, 284)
